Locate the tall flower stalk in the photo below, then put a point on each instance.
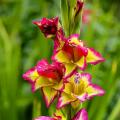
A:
(64, 79)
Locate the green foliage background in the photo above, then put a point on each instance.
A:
(22, 45)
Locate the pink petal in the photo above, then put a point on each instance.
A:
(54, 70)
(42, 63)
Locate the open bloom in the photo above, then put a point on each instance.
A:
(75, 55)
(48, 77)
(78, 88)
(80, 115)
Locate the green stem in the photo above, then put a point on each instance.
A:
(69, 112)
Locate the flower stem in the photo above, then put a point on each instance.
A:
(69, 112)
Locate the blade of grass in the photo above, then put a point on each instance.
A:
(115, 111)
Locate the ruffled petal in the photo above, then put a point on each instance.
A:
(49, 95)
(44, 69)
(42, 63)
(94, 90)
(53, 71)
(64, 99)
(94, 57)
(81, 115)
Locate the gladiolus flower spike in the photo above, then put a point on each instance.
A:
(61, 78)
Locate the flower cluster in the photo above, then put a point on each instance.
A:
(64, 78)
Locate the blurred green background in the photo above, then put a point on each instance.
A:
(22, 45)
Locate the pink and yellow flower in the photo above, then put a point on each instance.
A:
(75, 55)
(79, 88)
(48, 77)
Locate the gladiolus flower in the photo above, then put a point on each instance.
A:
(75, 55)
(61, 78)
(79, 88)
(49, 27)
(47, 77)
